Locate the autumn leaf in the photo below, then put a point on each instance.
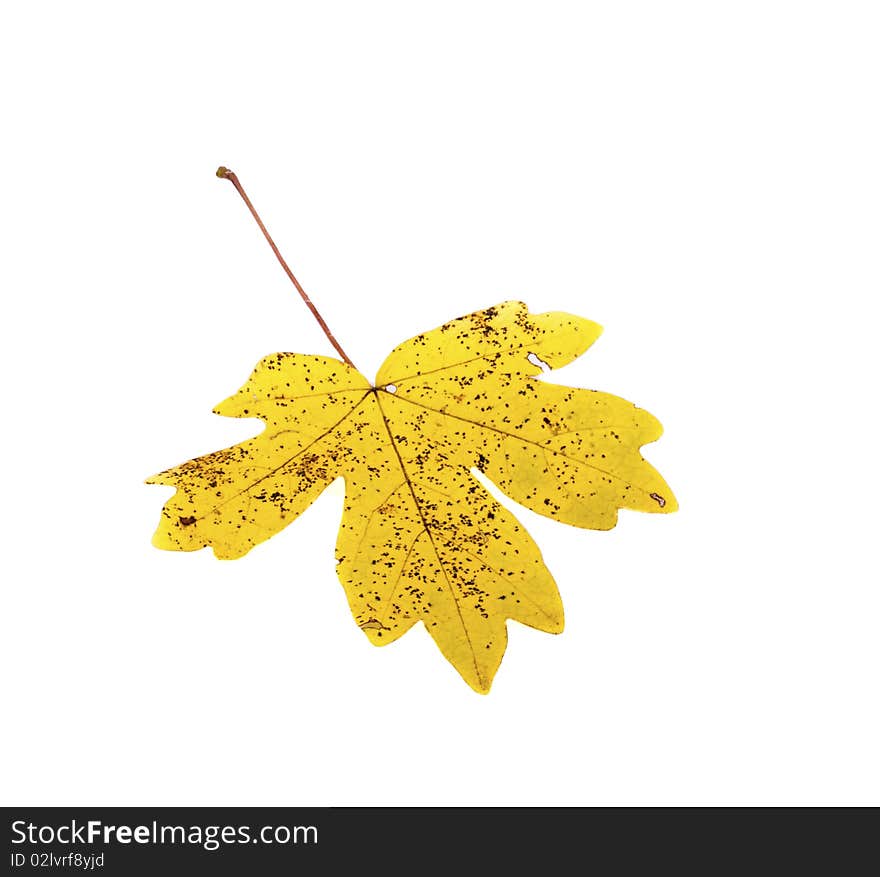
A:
(421, 540)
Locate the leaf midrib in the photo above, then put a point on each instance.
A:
(427, 529)
(523, 440)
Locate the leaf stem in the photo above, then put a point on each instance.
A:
(226, 174)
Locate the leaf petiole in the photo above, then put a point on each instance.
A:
(226, 174)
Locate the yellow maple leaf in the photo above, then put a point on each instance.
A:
(420, 538)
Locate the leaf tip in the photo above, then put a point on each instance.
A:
(233, 406)
(480, 684)
(160, 540)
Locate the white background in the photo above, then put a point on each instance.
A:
(700, 178)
